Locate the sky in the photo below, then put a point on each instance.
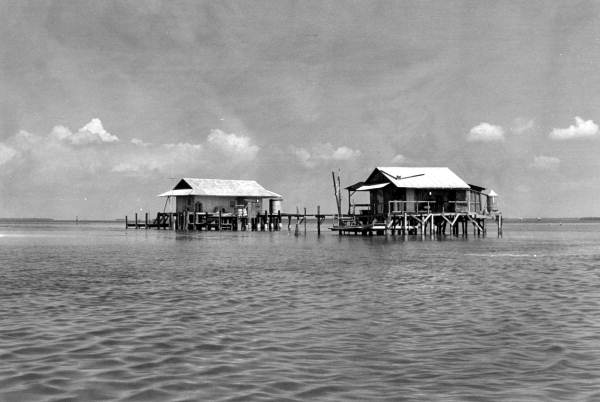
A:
(105, 104)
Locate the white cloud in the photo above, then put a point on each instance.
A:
(399, 159)
(323, 152)
(581, 129)
(236, 146)
(303, 156)
(486, 132)
(137, 141)
(344, 153)
(545, 163)
(522, 125)
(6, 154)
(92, 133)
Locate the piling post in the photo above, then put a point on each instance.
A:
(219, 221)
(278, 220)
(499, 219)
(136, 221)
(146, 221)
(126, 223)
(318, 220)
(269, 219)
(304, 220)
(289, 222)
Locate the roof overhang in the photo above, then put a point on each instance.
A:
(370, 187)
(176, 193)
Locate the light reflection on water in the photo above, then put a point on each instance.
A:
(94, 312)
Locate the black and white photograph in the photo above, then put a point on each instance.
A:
(299, 200)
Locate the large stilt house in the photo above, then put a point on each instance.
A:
(421, 190)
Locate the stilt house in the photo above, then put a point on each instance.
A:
(419, 190)
(236, 197)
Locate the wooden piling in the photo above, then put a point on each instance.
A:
(499, 219)
(136, 221)
(318, 220)
(304, 220)
(126, 223)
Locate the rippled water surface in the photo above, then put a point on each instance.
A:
(94, 312)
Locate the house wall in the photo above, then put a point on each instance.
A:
(216, 204)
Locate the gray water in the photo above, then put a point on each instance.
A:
(95, 312)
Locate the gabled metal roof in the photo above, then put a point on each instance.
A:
(220, 188)
(423, 177)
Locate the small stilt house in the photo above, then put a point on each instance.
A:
(236, 197)
(419, 190)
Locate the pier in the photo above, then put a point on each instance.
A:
(402, 200)
(404, 223)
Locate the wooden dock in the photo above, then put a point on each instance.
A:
(413, 224)
(401, 223)
(203, 221)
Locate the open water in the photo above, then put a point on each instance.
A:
(95, 312)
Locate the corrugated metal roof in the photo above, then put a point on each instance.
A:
(423, 177)
(223, 188)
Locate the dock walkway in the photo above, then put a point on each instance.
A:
(394, 223)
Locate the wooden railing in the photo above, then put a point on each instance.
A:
(396, 207)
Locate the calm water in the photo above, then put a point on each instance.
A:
(94, 312)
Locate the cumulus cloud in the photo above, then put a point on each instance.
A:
(581, 129)
(399, 159)
(344, 153)
(137, 141)
(62, 156)
(545, 163)
(6, 153)
(237, 146)
(324, 152)
(486, 132)
(92, 133)
(522, 125)
(302, 155)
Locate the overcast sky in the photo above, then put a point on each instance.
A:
(104, 103)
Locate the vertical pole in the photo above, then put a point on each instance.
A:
(266, 221)
(219, 222)
(278, 223)
(126, 223)
(318, 220)
(146, 221)
(289, 222)
(304, 220)
(136, 221)
(270, 220)
(499, 219)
